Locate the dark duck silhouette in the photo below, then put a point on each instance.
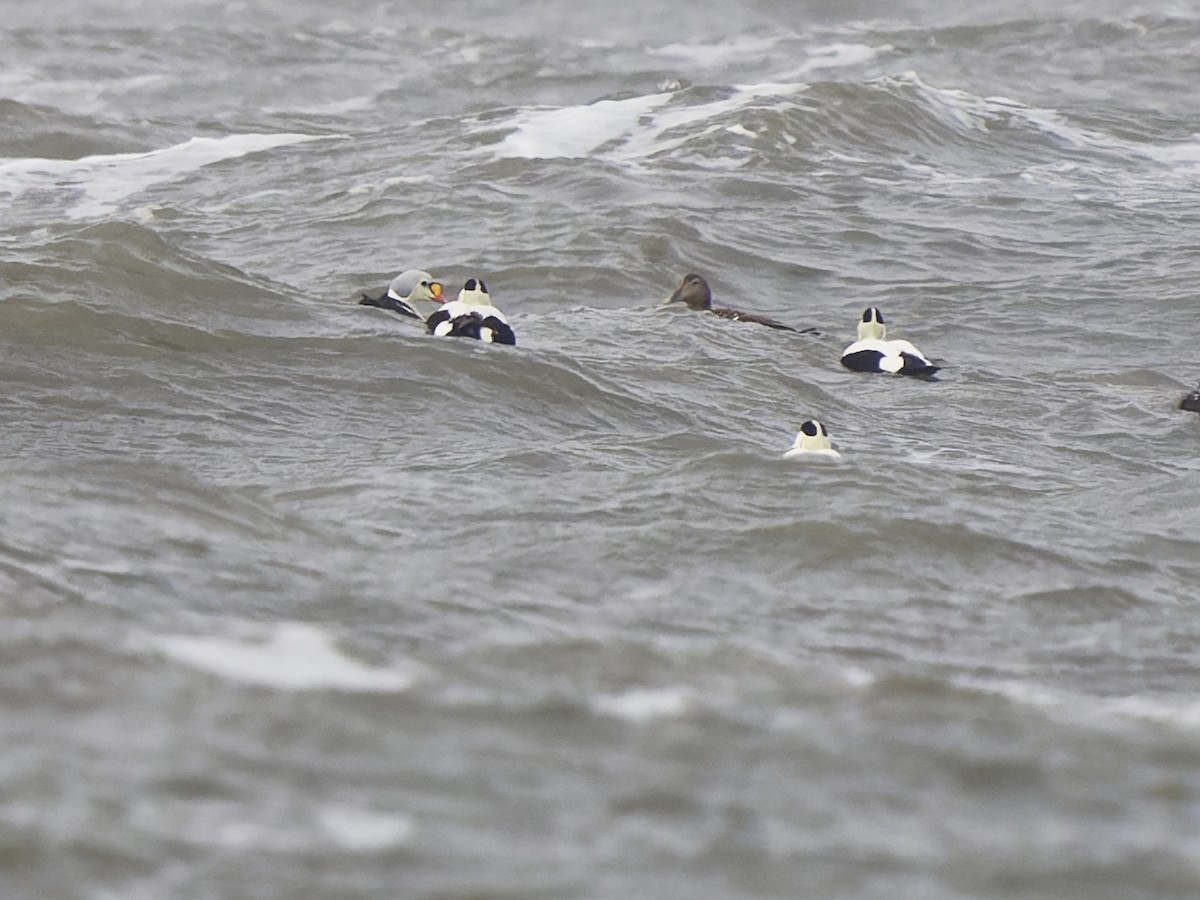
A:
(1191, 402)
(695, 293)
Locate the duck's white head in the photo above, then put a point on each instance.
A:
(415, 284)
(871, 326)
(813, 438)
(475, 293)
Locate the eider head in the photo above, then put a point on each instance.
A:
(475, 293)
(813, 438)
(693, 291)
(415, 285)
(871, 326)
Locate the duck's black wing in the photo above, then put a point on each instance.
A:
(915, 365)
(471, 325)
(386, 301)
(438, 317)
(863, 361)
(501, 333)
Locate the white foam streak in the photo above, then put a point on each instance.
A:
(965, 111)
(1182, 712)
(293, 656)
(721, 53)
(78, 95)
(1181, 155)
(97, 184)
(575, 131)
(365, 831)
(644, 704)
(968, 112)
(635, 127)
(835, 56)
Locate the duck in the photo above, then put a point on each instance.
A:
(694, 292)
(812, 442)
(412, 293)
(1191, 402)
(472, 315)
(871, 353)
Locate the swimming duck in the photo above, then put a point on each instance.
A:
(871, 353)
(1191, 402)
(812, 442)
(696, 294)
(413, 293)
(472, 315)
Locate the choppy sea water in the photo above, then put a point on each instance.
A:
(299, 602)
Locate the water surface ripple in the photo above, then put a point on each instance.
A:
(299, 602)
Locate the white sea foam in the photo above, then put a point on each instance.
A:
(635, 127)
(77, 95)
(1171, 711)
(644, 704)
(575, 131)
(834, 56)
(354, 104)
(1181, 155)
(365, 831)
(95, 185)
(965, 111)
(371, 187)
(730, 51)
(632, 129)
(292, 656)
(720, 53)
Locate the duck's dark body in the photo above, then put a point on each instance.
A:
(897, 362)
(472, 325)
(738, 316)
(472, 315)
(694, 292)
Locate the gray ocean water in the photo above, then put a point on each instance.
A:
(298, 602)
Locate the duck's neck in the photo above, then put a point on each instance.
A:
(871, 331)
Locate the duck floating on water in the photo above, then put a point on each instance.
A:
(871, 353)
(1191, 402)
(812, 443)
(694, 292)
(412, 293)
(472, 315)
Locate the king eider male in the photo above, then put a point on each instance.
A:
(695, 293)
(812, 443)
(871, 353)
(413, 293)
(473, 316)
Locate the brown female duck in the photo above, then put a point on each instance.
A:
(695, 293)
